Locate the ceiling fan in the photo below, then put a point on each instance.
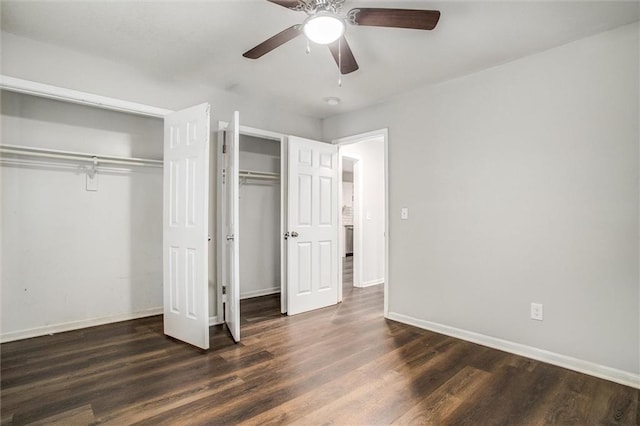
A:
(324, 25)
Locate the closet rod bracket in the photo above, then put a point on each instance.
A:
(91, 171)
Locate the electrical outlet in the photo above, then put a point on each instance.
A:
(536, 311)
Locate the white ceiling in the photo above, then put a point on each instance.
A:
(202, 42)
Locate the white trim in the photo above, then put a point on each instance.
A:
(341, 234)
(28, 87)
(262, 134)
(384, 133)
(372, 282)
(358, 222)
(252, 131)
(347, 140)
(76, 325)
(261, 292)
(626, 378)
(214, 321)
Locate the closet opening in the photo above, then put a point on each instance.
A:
(249, 266)
(82, 190)
(259, 220)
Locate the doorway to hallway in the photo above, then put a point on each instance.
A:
(363, 217)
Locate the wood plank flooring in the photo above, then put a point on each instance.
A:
(338, 365)
(347, 271)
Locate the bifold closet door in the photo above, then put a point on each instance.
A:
(232, 218)
(185, 225)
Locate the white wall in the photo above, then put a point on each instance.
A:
(259, 219)
(73, 257)
(522, 184)
(50, 64)
(369, 229)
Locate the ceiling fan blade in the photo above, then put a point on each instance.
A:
(273, 42)
(395, 18)
(289, 4)
(344, 56)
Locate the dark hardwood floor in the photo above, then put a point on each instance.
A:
(347, 271)
(339, 365)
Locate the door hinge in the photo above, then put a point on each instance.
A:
(224, 289)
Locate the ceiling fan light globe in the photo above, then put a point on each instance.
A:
(323, 28)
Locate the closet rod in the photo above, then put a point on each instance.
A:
(258, 175)
(78, 156)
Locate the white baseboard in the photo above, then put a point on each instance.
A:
(214, 321)
(369, 283)
(75, 325)
(261, 292)
(603, 372)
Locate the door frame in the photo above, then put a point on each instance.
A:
(363, 137)
(34, 88)
(220, 237)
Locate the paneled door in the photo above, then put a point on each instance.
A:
(185, 225)
(232, 248)
(312, 231)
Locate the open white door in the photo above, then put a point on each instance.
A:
(312, 216)
(232, 250)
(284, 166)
(185, 230)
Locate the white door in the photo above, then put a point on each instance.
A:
(232, 251)
(312, 216)
(185, 225)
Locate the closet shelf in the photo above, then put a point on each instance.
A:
(25, 151)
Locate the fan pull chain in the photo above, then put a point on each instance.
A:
(308, 47)
(339, 63)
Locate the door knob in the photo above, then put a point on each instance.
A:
(230, 237)
(294, 234)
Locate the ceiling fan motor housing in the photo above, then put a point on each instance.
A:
(312, 7)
